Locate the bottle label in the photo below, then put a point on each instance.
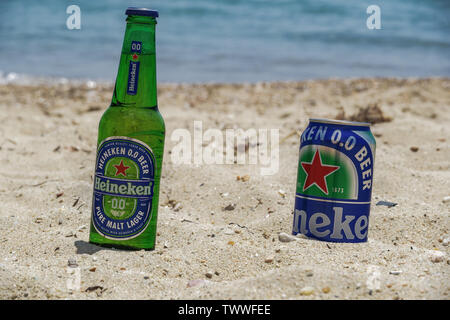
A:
(133, 70)
(136, 46)
(133, 75)
(123, 188)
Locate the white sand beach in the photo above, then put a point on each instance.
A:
(48, 138)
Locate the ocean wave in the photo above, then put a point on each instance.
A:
(31, 80)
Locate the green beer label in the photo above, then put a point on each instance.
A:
(123, 188)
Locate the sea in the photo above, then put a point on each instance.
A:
(211, 41)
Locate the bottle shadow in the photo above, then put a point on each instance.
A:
(84, 247)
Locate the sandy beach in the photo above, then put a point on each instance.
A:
(218, 235)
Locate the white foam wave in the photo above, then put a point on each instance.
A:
(31, 80)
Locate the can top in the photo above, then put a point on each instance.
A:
(340, 122)
(135, 11)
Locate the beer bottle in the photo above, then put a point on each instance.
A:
(130, 145)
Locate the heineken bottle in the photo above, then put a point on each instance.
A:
(130, 145)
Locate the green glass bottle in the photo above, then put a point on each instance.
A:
(130, 145)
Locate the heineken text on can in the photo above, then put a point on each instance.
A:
(334, 181)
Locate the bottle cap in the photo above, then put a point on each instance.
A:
(142, 12)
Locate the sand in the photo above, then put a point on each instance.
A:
(47, 150)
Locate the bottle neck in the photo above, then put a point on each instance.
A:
(136, 79)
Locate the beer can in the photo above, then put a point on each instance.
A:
(334, 181)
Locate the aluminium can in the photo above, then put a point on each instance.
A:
(334, 181)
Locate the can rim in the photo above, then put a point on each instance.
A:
(341, 122)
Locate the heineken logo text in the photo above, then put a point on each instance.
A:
(122, 151)
(320, 225)
(133, 74)
(123, 188)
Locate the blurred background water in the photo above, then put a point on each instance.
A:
(231, 40)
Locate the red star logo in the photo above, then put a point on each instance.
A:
(121, 169)
(317, 172)
(135, 56)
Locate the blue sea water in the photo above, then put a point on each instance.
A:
(231, 40)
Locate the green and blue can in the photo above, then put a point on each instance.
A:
(334, 181)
